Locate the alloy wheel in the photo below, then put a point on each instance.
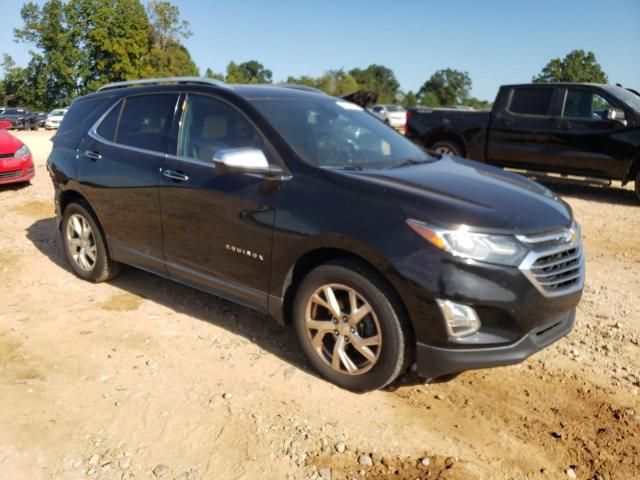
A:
(445, 150)
(81, 242)
(343, 329)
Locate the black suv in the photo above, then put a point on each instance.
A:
(306, 207)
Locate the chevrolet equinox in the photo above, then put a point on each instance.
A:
(306, 207)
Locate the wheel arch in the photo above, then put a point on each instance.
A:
(329, 252)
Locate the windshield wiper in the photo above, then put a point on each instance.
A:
(409, 161)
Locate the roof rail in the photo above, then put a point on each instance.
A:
(298, 87)
(158, 81)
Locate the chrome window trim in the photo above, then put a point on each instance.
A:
(93, 131)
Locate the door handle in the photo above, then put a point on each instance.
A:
(563, 125)
(506, 121)
(173, 175)
(92, 155)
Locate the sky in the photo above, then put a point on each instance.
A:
(497, 42)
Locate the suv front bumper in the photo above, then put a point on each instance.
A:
(435, 361)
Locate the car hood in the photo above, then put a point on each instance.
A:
(8, 143)
(453, 192)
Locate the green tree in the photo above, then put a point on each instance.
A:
(248, 72)
(337, 82)
(410, 99)
(577, 66)
(57, 54)
(379, 79)
(114, 35)
(167, 56)
(211, 74)
(303, 80)
(478, 104)
(166, 25)
(445, 88)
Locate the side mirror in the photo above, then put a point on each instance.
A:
(4, 125)
(616, 115)
(245, 160)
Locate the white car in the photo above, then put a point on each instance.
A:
(54, 118)
(393, 115)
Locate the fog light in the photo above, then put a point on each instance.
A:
(461, 320)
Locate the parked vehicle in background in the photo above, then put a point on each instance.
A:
(304, 206)
(55, 118)
(41, 118)
(16, 164)
(393, 115)
(589, 131)
(21, 118)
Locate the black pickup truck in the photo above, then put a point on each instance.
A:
(584, 130)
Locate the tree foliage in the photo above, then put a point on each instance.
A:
(379, 79)
(248, 72)
(577, 66)
(445, 88)
(79, 45)
(211, 74)
(167, 57)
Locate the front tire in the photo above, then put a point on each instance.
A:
(350, 326)
(85, 246)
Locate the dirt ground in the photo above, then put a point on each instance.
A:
(143, 378)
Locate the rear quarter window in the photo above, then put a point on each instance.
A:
(531, 101)
(82, 114)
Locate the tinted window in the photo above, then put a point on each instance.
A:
(209, 125)
(80, 117)
(395, 108)
(531, 101)
(585, 104)
(145, 122)
(107, 128)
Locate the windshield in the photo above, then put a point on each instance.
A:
(395, 108)
(328, 132)
(627, 97)
(13, 111)
(57, 112)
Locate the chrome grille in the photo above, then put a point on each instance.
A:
(556, 263)
(13, 174)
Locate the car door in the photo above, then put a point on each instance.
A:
(521, 132)
(585, 139)
(217, 224)
(119, 168)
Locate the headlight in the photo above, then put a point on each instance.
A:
(498, 249)
(22, 152)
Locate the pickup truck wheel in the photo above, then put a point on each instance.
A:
(448, 147)
(85, 246)
(349, 327)
(637, 185)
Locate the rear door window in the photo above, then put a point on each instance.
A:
(145, 122)
(531, 101)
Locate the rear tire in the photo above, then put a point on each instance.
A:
(448, 147)
(85, 245)
(362, 343)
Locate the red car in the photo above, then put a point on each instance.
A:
(16, 164)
